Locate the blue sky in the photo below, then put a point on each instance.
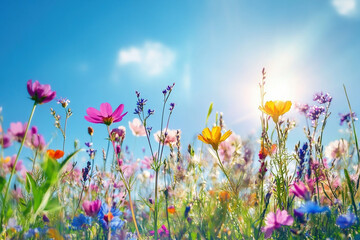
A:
(93, 52)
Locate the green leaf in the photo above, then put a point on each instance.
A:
(2, 183)
(37, 195)
(53, 205)
(209, 113)
(351, 190)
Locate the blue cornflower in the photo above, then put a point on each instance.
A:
(88, 144)
(322, 98)
(345, 221)
(81, 221)
(312, 207)
(110, 217)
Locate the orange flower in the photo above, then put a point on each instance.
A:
(213, 137)
(275, 109)
(55, 154)
(54, 234)
(224, 196)
(171, 209)
(266, 151)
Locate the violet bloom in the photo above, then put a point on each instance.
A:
(315, 112)
(275, 221)
(300, 190)
(40, 93)
(5, 140)
(105, 115)
(162, 232)
(92, 208)
(35, 140)
(8, 165)
(347, 118)
(118, 134)
(137, 128)
(17, 131)
(322, 98)
(302, 108)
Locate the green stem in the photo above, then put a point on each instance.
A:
(14, 167)
(156, 203)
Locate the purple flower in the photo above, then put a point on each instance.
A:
(35, 140)
(118, 134)
(315, 112)
(91, 208)
(89, 144)
(40, 93)
(63, 101)
(302, 108)
(347, 118)
(5, 140)
(105, 115)
(322, 97)
(17, 131)
(162, 231)
(276, 220)
(300, 190)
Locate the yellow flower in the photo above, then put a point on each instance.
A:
(275, 109)
(213, 137)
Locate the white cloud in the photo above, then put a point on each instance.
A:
(344, 7)
(153, 58)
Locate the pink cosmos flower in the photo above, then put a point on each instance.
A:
(105, 115)
(17, 131)
(9, 165)
(170, 136)
(146, 163)
(91, 208)
(275, 221)
(137, 128)
(40, 93)
(300, 190)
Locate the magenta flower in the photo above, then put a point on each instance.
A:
(300, 190)
(40, 93)
(35, 140)
(17, 131)
(162, 231)
(92, 208)
(5, 140)
(105, 115)
(9, 163)
(275, 221)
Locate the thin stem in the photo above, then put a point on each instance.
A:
(133, 215)
(156, 203)
(65, 130)
(125, 183)
(14, 167)
(34, 160)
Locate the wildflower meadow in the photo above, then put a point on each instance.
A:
(221, 187)
(179, 120)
